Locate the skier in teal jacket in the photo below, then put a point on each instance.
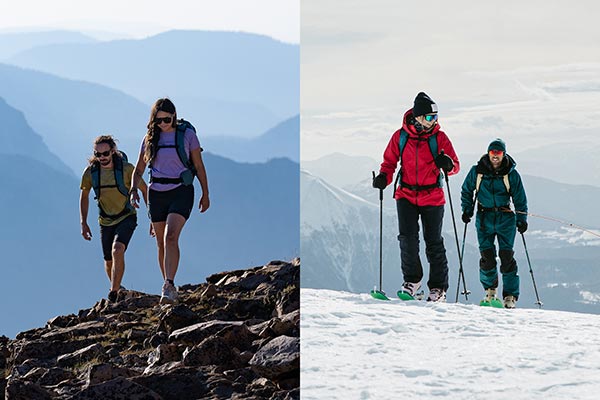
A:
(492, 183)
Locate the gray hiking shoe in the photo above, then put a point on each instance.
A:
(510, 302)
(410, 288)
(437, 295)
(169, 294)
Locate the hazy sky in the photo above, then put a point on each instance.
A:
(276, 18)
(525, 70)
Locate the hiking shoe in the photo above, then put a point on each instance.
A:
(490, 299)
(510, 302)
(169, 294)
(437, 295)
(112, 296)
(410, 288)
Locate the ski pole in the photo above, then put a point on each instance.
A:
(538, 302)
(380, 294)
(462, 255)
(460, 271)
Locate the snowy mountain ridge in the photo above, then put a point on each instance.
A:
(356, 347)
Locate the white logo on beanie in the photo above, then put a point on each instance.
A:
(434, 108)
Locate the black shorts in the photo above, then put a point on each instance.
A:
(120, 232)
(179, 201)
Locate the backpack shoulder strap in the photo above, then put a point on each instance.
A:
(506, 183)
(180, 143)
(95, 171)
(478, 183)
(403, 140)
(433, 144)
(119, 173)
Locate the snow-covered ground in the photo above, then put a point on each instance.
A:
(356, 347)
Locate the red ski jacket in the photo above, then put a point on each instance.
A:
(417, 166)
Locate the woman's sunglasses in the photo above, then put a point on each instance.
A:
(431, 117)
(98, 154)
(166, 120)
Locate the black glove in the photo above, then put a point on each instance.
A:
(380, 181)
(466, 218)
(521, 226)
(444, 162)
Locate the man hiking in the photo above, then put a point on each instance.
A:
(494, 180)
(109, 175)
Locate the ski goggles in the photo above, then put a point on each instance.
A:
(166, 120)
(496, 153)
(98, 154)
(431, 117)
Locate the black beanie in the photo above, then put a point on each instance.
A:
(497, 144)
(424, 105)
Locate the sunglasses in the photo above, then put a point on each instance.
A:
(496, 153)
(166, 120)
(431, 117)
(98, 154)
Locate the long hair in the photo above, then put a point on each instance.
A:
(153, 133)
(109, 140)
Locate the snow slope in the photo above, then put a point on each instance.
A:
(355, 347)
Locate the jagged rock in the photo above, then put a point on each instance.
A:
(278, 357)
(83, 355)
(24, 390)
(209, 292)
(164, 353)
(125, 347)
(182, 383)
(62, 321)
(237, 336)
(83, 329)
(196, 333)
(156, 339)
(44, 349)
(105, 372)
(118, 388)
(54, 376)
(212, 351)
(178, 317)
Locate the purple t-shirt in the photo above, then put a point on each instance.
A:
(166, 163)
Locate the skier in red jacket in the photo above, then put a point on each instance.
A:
(422, 149)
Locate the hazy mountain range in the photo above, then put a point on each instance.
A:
(234, 84)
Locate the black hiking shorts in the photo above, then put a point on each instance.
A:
(179, 201)
(120, 232)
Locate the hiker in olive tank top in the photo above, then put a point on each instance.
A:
(490, 185)
(172, 151)
(109, 176)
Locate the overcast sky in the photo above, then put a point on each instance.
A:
(279, 19)
(510, 68)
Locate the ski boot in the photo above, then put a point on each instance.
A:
(490, 299)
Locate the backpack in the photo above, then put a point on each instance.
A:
(118, 164)
(480, 177)
(433, 147)
(187, 176)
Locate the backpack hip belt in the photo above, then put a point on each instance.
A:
(419, 188)
(481, 208)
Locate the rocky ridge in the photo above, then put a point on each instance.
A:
(237, 336)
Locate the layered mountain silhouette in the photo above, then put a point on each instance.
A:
(232, 83)
(253, 218)
(16, 42)
(281, 140)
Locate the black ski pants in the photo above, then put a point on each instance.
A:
(408, 224)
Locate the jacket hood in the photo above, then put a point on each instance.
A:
(408, 123)
(484, 166)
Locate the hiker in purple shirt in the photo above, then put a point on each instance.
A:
(172, 151)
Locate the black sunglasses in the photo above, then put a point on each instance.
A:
(98, 154)
(166, 120)
(431, 117)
